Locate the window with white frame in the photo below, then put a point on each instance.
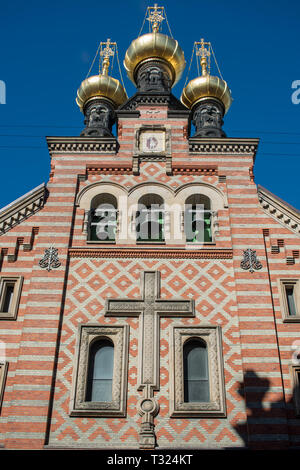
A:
(150, 219)
(10, 292)
(197, 377)
(295, 372)
(100, 373)
(103, 218)
(3, 373)
(198, 219)
(289, 293)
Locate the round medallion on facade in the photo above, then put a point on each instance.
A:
(148, 406)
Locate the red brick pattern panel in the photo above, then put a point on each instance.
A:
(257, 343)
(91, 281)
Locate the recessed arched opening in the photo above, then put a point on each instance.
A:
(100, 371)
(196, 371)
(198, 218)
(150, 219)
(103, 218)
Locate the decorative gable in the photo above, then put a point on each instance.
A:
(22, 208)
(280, 210)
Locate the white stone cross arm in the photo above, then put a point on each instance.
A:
(149, 308)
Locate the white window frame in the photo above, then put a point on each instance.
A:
(17, 281)
(87, 334)
(3, 374)
(295, 283)
(216, 407)
(295, 373)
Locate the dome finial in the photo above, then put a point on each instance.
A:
(156, 17)
(106, 52)
(203, 53)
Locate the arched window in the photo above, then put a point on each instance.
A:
(197, 219)
(103, 218)
(100, 371)
(150, 218)
(195, 370)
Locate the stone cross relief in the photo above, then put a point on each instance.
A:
(149, 309)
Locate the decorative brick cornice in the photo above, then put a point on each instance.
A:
(194, 169)
(223, 146)
(155, 98)
(203, 253)
(22, 208)
(280, 210)
(82, 145)
(109, 169)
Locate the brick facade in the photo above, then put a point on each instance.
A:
(257, 344)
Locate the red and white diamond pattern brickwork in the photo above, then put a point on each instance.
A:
(151, 171)
(91, 281)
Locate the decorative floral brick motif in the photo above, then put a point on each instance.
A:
(211, 284)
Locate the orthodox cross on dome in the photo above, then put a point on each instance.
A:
(204, 53)
(107, 50)
(156, 17)
(149, 309)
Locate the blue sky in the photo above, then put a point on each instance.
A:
(47, 49)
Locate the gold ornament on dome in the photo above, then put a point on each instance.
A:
(156, 17)
(102, 85)
(206, 86)
(155, 46)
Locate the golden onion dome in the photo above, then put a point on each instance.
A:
(101, 86)
(155, 45)
(206, 86)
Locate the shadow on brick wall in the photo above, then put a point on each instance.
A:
(267, 425)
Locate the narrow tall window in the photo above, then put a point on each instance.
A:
(10, 292)
(296, 388)
(3, 372)
(290, 297)
(8, 298)
(103, 218)
(150, 219)
(196, 374)
(100, 371)
(197, 221)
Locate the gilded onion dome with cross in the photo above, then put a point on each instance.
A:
(206, 85)
(209, 97)
(99, 95)
(102, 85)
(154, 49)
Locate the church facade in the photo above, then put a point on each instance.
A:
(150, 291)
